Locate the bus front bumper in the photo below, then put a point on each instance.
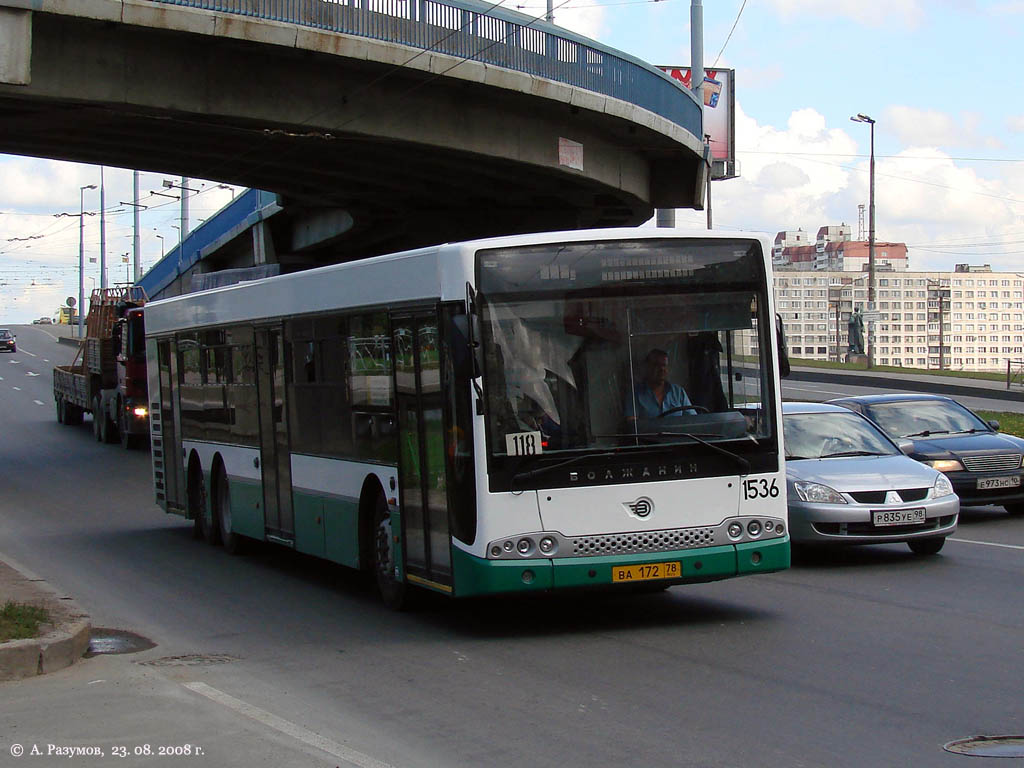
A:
(479, 576)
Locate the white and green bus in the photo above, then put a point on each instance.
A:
(527, 413)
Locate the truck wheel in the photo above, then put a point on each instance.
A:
(97, 416)
(60, 410)
(127, 439)
(72, 414)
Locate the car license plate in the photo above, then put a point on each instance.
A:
(898, 517)
(647, 571)
(985, 483)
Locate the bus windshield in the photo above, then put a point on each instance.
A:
(598, 346)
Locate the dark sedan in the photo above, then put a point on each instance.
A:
(7, 341)
(983, 464)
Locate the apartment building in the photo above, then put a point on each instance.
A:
(965, 319)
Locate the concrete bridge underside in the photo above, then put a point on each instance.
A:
(416, 148)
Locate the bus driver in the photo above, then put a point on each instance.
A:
(655, 395)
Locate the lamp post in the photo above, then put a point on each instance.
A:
(862, 118)
(161, 245)
(81, 256)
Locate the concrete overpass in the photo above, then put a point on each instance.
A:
(380, 124)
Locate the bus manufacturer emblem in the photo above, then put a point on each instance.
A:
(642, 507)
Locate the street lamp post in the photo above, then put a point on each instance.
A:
(81, 257)
(862, 118)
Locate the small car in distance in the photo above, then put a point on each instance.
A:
(984, 465)
(8, 341)
(849, 483)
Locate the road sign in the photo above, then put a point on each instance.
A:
(871, 317)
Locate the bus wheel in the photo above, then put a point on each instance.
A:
(204, 528)
(97, 415)
(232, 541)
(392, 591)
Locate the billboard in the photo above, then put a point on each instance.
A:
(719, 115)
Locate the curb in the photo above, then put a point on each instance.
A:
(61, 647)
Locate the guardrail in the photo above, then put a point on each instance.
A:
(1014, 373)
(484, 33)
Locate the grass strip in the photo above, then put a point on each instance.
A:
(1010, 423)
(20, 621)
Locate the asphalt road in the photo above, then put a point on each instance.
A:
(857, 658)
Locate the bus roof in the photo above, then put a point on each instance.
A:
(403, 277)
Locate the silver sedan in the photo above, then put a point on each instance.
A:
(849, 483)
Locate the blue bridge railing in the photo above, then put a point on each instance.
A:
(482, 32)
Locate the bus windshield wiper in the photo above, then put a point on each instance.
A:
(698, 437)
(928, 432)
(541, 470)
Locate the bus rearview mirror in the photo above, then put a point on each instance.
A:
(467, 355)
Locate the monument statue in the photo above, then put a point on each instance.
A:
(855, 331)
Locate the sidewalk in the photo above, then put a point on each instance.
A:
(63, 641)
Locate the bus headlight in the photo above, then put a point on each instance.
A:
(754, 527)
(524, 546)
(735, 530)
(548, 545)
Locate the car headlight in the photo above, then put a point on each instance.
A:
(818, 493)
(946, 465)
(942, 487)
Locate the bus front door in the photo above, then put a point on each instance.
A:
(421, 468)
(275, 460)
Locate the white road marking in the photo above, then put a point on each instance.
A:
(14, 362)
(987, 543)
(288, 728)
(30, 353)
(39, 402)
(16, 389)
(29, 373)
(45, 360)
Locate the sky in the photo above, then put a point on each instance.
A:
(938, 76)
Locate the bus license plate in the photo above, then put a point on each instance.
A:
(647, 572)
(985, 483)
(898, 517)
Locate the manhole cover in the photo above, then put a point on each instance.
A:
(109, 641)
(988, 746)
(191, 660)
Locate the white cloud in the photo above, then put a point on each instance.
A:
(590, 21)
(807, 175)
(37, 246)
(1015, 123)
(1012, 8)
(909, 12)
(933, 128)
